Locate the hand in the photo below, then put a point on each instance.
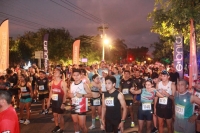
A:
(62, 106)
(165, 93)
(71, 95)
(79, 95)
(192, 119)
(121, 127)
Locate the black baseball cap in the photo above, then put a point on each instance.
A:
(164, 72)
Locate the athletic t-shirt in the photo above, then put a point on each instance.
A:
(146, 96)
(42, 85)
(125, 86)
(117, 77)
(9, 121)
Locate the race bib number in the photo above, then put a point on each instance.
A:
(125, 91)
(109, 101)
(146, 106)
(75, 101)
(163, 100)
(96, 102)
(54, 97)
(41, 87)
(11, 84)
(23, 89)
(180, 109)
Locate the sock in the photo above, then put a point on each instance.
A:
(77, 132)
(93, 122)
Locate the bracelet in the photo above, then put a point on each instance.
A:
(196, 114)
(122, 120)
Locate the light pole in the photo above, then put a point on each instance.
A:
(105, 41)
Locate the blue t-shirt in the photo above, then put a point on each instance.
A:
(117, 80)
(90, 75)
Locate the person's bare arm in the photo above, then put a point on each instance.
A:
(124, 111)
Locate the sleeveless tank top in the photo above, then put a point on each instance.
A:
(81, 104)
(94, 89)
(165, 102)
(113, 106)
(24, 89)
(57, 95)
(183, 106)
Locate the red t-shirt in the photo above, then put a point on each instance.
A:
(9, 121)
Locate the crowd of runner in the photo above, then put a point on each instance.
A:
(109, 90)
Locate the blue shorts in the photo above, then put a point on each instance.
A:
(27, 100)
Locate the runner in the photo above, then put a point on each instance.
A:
(164, 106)
(112, 102)
(58, 97)
(43, 90)
(184, 118)
(103, 82)
(79, 94)
(125, 85)
(145, 111)
(8, 117)
(32, 79)
(26, 98)
(117, 76)
(96, 99)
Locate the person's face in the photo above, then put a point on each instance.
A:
(148, 85)
(137, 74)
(115, 70)
(56, 73)
(127, 75)
(109, 85)
(2, 103)
(22, 78)
(156, 80)
(42, 75)
(96, 80)
(164, 77)
(197, 85)
(104, 74)
(181, 87)
(76, 76)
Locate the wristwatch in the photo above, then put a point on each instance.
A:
(123, 121)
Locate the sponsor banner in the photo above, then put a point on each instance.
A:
(4, 45)
(193, 73)
(76, 49)
(178, 54)
(45, 52)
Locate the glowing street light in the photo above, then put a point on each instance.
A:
(106, 41)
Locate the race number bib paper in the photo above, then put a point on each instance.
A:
(109, 101)
(54, 97)
(125, 91)
(180, 110)
(163, 100)
(146, 106)
(96, 102)
(41, 87)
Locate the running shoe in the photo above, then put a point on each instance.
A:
(21, 121)
(132, 124)
(27, 122)
(56, 129)
(61, 131)
(91, 127)
(46, 111)
(42, 112)
(154, 130)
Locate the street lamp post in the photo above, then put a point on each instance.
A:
(105, 41)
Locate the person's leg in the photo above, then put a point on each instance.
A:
(148, 126)
(75, 122)
(82, 123)
(99, 113)
(55, 116)
(93, 108)
(140, 125)
(27, 106)
(155, 120)
(169, 125)
(160, 124)
(21, 107)
(62, 122)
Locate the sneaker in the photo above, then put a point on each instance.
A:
(56, 129)
(102, 128)
(27, 122)
(61, 131)
(91, 127)
(97, 117)
(132, 124)
(46, 111)
(21, 121)
(154, 130)
(42, 112)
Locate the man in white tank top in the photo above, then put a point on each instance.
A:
(164, 107)
(79, 93)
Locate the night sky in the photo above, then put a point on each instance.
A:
(126, 19)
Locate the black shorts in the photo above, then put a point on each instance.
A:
(57, 110)
(145, 114)
(43, 96)
(112, 125)
(165, 113)
(129, 102)
(96, 101)
(76, 113)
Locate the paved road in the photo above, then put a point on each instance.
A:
(43, 124)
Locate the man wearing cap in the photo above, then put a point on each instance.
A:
(43, 90)
(163, 107)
